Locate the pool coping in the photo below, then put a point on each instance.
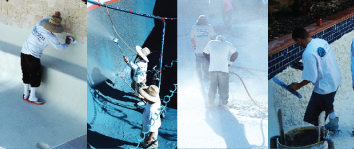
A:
(283, 51)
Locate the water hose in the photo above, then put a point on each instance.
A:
(247, 91)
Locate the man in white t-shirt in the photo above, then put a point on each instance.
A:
(139, 69)
(352, 60)
(201, 34)
(32, 50)
(151, 115)
(217, 52)
(320, 69)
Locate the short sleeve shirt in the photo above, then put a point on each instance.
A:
(320, 67)
(140, 69)
(352, 60)
(151, 117)
(39, 39)
(202, 34)
(219, 55)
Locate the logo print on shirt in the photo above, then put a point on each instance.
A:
(321, 52)
(139, 72)
(38, 35)
(202, 32)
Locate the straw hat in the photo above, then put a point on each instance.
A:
(151, 93)
(53, 24)
(143, 52)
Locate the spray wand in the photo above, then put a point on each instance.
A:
(120, 49)
(127, 84)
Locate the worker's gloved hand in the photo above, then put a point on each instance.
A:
(194, 47)
(126, 59)
(230, 63)
(70, 40)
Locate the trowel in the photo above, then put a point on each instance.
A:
(283, 85)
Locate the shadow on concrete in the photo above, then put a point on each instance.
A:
(108, 91)
(110, 99)
(225, 124)
(99, 140)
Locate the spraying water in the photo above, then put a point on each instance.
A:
(105, 32)
(216, 124)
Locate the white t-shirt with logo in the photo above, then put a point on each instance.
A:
(39, 39)
(140, 68)
(202, 34)
(352, 59)
(320, 67)
(219, 55)
(149, 116)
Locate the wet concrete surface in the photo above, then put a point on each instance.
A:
(113, 118)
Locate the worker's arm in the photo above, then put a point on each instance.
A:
(234, 56)
(206, 52)
(309, 73)
(295, 86)
(193, 42)
(131, 64)
(206, 56)
(53, 41)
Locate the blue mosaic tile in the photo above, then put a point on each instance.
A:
(285, 53)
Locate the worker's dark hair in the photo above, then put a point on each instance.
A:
(300, 33)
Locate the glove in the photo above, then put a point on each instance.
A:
(72, 41)
(194, 47)
(230, 63)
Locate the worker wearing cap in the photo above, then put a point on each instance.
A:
(140, 69)
(217, 52)
(151, 115)
(320, 69)
(201, 34)
(32, 50)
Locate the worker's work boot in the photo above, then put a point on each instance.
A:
(332, 125)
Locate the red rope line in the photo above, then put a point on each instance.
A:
(247, 91)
